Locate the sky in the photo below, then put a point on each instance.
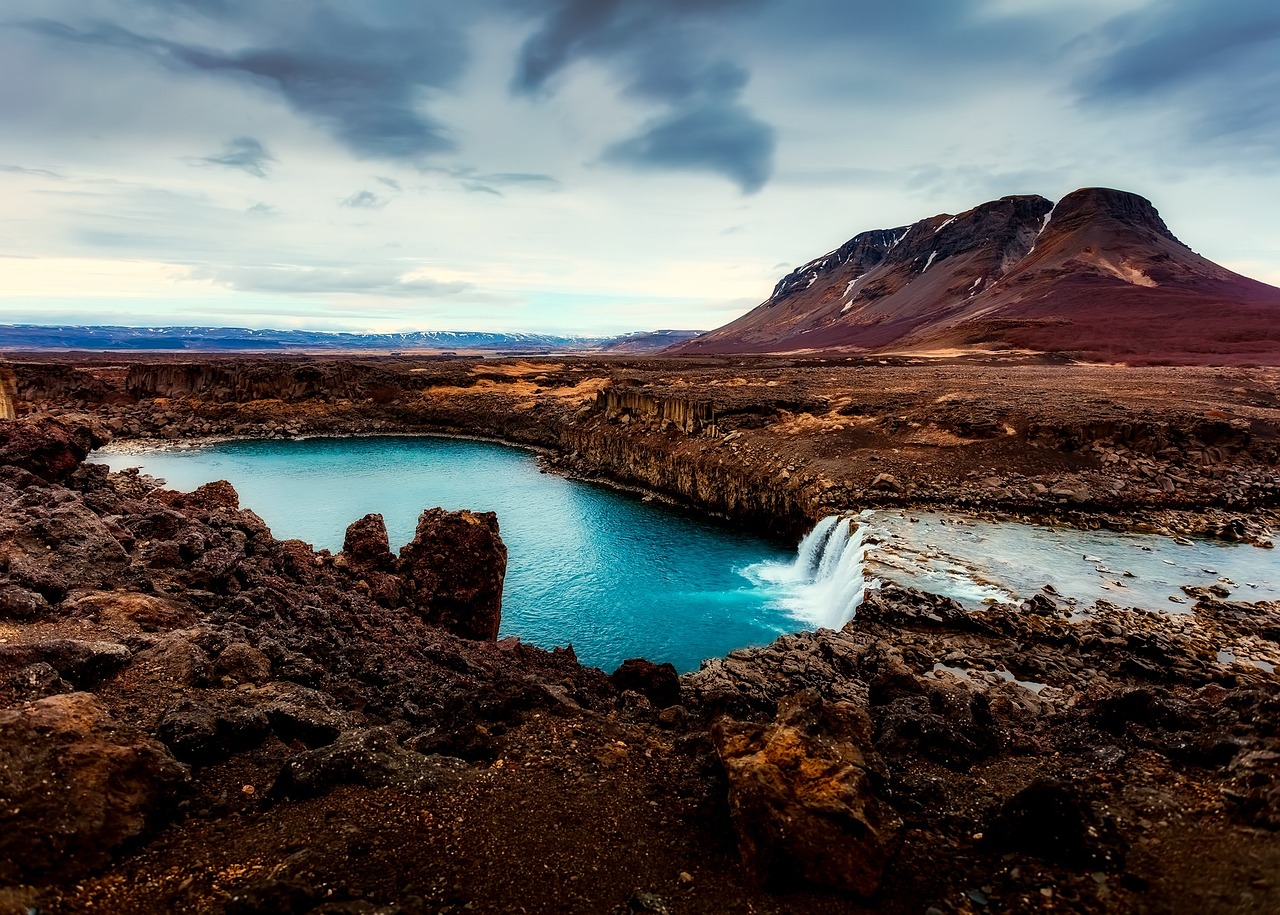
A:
(586, 166)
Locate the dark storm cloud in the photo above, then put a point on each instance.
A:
(243, 153)
(359, 69)
(1219, 61)
(715, 137)
(661, 50)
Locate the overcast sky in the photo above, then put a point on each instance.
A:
(586, 165)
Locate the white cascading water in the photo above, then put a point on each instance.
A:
(827, 580)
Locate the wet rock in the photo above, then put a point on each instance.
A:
(75, 787)
(370, 757)
(804, 794)
(207, 731)
(1052, 821)
(893, 605)
(453, 570)
(659, 683)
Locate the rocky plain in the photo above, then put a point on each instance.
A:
(196, 716)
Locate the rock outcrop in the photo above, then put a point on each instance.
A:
(453, 570)
(805, 795)
(75, 785)
(8, 393)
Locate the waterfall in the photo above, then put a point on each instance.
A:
(825, 583)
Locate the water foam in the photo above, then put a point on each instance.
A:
(826, 582)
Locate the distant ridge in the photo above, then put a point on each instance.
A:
(244, 340)
(1098, 276)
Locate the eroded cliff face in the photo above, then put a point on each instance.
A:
(685, 414)
(8, 392)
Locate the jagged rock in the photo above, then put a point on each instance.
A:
(177, 660)
(659, 683)
(129, 609)
(240, 662)
(20, 604)
(886, 482)
(366, 547)
(81, 663)
(299, 713)
(206, 731)
(75, 787)
(49, 448)
(804, 793)
(370, 757)
(453, 570)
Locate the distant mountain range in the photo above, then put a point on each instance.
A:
(238, 339)
(1097, 275)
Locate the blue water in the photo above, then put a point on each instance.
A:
(614, 576)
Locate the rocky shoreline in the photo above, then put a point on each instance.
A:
(195, 716)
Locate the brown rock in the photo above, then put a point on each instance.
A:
(49, 448)
(803, 793)
(367, 548)
(75, 786)
(453, 571)
(659, 683)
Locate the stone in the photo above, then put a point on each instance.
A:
(208, 731)
(804, 795)
(366, 547)
(21, 604)
(886, 482)
(80, 662)
(453, 572)
(49, 448)
(76, 787)
(370, 757)
(129, 609)
(659, 683)
(240, 662)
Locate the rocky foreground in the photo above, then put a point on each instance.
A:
(195, 716)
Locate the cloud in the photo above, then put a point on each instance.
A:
(389, 182)
(375, 281)
(722, 138)
(263, 209)
(360, 70)
(659, 48)
(35, 172)
(365, 200)
(1214, 65)
(244, 153)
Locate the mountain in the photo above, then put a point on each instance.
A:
(1098, 276)
(239, 339)
(648, 341)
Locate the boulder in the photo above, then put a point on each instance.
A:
(212, 729)
(659, 683)
(75, 786)
(49, 448)
(1050, 819)
(21, 604)
(370, 757)
(805, 796)
(453, 569)
(366, 547)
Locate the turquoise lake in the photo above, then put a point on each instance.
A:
(615, 576)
